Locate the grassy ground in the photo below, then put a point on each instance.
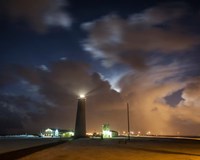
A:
(119, 150)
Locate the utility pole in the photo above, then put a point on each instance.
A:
(128, 121)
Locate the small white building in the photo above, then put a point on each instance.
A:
(107, 133)
(57, 133)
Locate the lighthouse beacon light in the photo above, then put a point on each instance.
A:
(82, 96)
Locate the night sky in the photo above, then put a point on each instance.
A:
(145, 53)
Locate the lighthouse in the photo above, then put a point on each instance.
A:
(80, 126)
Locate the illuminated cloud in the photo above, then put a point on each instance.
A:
(40, 14)
(130, 41)
(191, 94)
(146, 91)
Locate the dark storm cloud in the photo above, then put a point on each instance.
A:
(158, 29)
(6, 79)
(38, 13)
(7, 75)
(16, 111)
(9, 121)
(59, 88)
(22, 105)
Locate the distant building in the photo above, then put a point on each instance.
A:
(107, 133)
(57, 133)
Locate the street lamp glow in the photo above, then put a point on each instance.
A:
(82, 96)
